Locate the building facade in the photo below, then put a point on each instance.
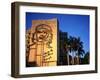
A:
(41, 43)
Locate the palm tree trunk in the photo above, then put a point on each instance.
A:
(68, 58)
(78, 59)
(73, 61)
(72, 58)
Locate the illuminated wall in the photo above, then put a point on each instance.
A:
(41, 42)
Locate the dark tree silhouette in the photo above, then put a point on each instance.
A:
(86, 59)
(70, 45)
(80, 50)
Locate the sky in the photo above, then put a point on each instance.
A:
(76, 25)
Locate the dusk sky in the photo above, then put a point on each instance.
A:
(75, 25)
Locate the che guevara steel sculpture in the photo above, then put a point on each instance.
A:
(43, 36)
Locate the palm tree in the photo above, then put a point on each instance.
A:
(76, 48)
(80, 50)
(66, 47)
(72, 47)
